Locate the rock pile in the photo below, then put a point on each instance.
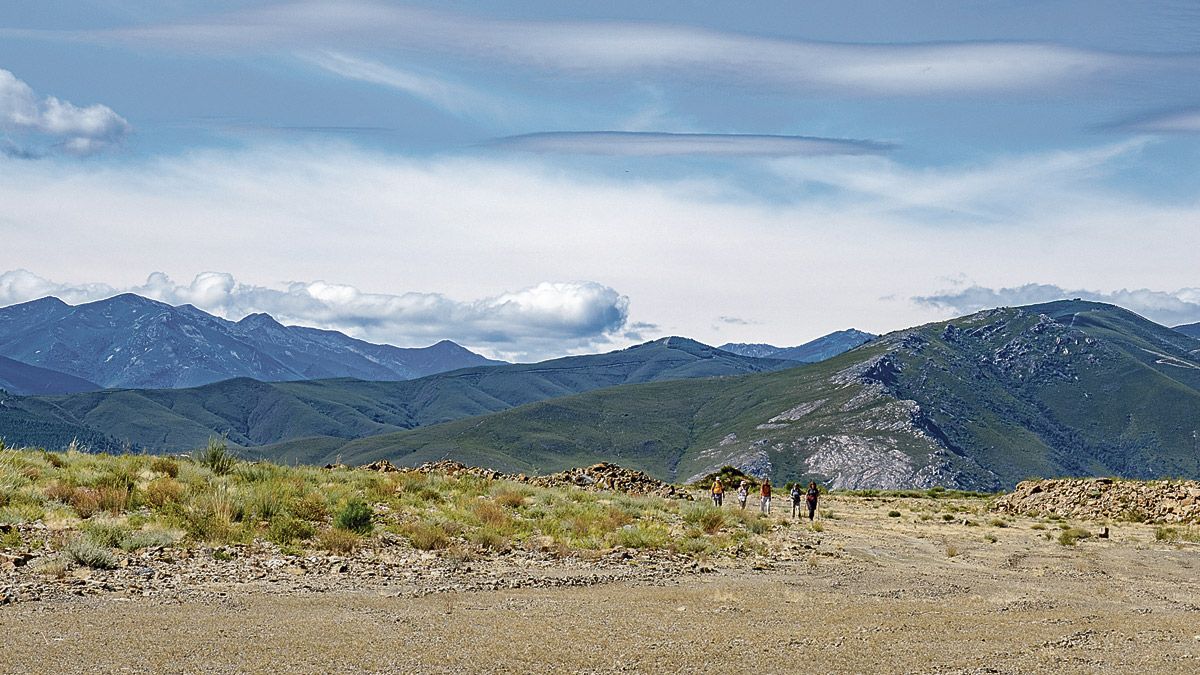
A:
(602, 476)
(1163, 501)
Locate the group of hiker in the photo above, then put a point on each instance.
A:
(799, 498)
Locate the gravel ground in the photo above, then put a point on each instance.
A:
(872, 594)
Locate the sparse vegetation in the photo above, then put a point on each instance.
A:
(1072, 535)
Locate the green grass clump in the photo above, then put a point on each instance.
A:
(1072, 535)
(427, 536)
(641, 535)
(356, 516)
(708, 518)
(216, 457)
(1173, 534)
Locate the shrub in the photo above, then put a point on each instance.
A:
(58, 491)
(642, 535)
(10, 539)
(490, 540)
(509, 498)
(693, 545)
(708, 518)
(759, 525)
(817, 527)
(998, 522)
(86, 502)
(1037, 526)
(216, 457)
(893, 514)
(1071, 536)
(286, 530)
(311, 507)
(1164, 533)
(113, 498)
(155, 538)
(167, 466)
(163, 491)
(990, 538)
(83, 550)
(105, 532)
(491, 514)
(948, 517)
(951, 552)
(427, 536)
(355, 516)
(51, 566)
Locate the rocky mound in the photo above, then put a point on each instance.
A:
(602, 476)
(1164, 501)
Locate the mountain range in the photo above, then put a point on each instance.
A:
(980, 402)
(135, 342)
(825, 347)
(1191, 329)
(251, 413)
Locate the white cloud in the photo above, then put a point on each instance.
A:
(650, 144)
(77, 131)
(687, 250)
(1169, 308)
(454, 98)
(1176, 122)
(548, 319)
(661, 50)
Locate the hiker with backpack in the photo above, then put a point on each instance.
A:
(811, 498)
(743, 493)
(796, 494)
(718, 492)
(765, 493)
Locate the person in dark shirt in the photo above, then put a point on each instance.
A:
(811, 498)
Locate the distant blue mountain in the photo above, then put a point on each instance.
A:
(822, 348)
(129, 341)
(1192, 329)
(26, 380)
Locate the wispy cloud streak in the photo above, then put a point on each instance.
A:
(654, 144)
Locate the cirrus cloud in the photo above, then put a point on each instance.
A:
(655, 144)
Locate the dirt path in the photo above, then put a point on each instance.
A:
(877, 594)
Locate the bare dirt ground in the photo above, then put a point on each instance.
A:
(873, 594)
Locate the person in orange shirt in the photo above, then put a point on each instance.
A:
(765, 493)
(718, 492)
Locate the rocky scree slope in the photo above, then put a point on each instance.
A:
(981, 402)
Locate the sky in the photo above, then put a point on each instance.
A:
(546, 178)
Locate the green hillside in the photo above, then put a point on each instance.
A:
(1066, 388)
(252, 413)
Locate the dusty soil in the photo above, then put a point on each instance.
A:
(873, 594)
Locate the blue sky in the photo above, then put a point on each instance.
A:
(535, 179)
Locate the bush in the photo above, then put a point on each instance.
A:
(216, 457)
(311, 507)
(490, 540)
(509, 498)
(105, 532)
(163, 491)
(59, 491)
(85, 551)
(641, 535)
(140, 539)
(166, 466)
(355, 516)
(286, 530)
(491, 515)
(113, 498)
(86, 502)
(893, 514)
(427, 536)
(998, 522)
(1071, 536)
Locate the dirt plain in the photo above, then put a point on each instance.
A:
(870, 593)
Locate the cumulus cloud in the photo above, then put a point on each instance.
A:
(663, 50)
(548, 319)
(1170, 308)
(653, 144)
(24, 116)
